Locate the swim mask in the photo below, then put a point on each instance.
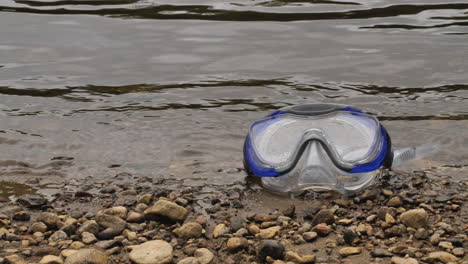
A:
(319, 147)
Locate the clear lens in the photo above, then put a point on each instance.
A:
(352, 135)
(315, 171)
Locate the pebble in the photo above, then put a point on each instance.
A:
(271, 248)
(324, 216)
(38, 227)
(220, 230)
(434, 239)
(389, 219)
(380, 253)
(322, 230)
(296, 258)
(77, 245)
(68, 252)
(89, 226)
(166, 209)
(31, 200)
(349, 236)
(264, 217)
(347, 251)
(88, 256)
(421, 234)
(395, 202)
(237, 223)
(113, 225)
(152, 252)
(134, 217)
(309, 236)
(189, 230)
(189, 260)
(459, 252)
(50, 219)
(442, 256)
(58, 236)
(131, 236)
(398, 260)
(15, 259)
(204, 255)
(237, 243)
(416, 218)
(268, 232)
(88, 238)
(445, 244)
(119, 211)
(50, 259)
(21, 216)
(306, 227)
(145, 198)
(106, 244)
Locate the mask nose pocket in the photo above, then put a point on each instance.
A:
(317, 167)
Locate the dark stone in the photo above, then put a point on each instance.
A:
(21, 216)
(381, 253)
(106, 244)
(69, 229)
(271, 248)
(393, 231)
(83, 194)
(237, 223)
(125, 200)
(455, 242)
(369, 194)
(349, 236)
(111, 221)
(109, 233)
(421, 234)
(32, 200)
(89, 226)
(44, 251)
(290, 211)
(50, 219)
(237, 204)
(108, 189)
(443, 198)
(324, 216)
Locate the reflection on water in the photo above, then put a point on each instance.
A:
(9, 190)
(169, 88)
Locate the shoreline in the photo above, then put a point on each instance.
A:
(409, 219)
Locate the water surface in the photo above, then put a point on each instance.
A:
(168, 88)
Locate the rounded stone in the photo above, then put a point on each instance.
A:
(166, 209)
(220, 230)
(416, 218)
(398, 260)
(88, 238)
(88, 256)
(49, 259)
(152, 252)
(347, 251)
(271, 248)
(237, 243)
(189, 260)
(269, 232)
(204, 255)
(310, 236)
(189, 230)
(443, 256)
(324, 216)
(38, 227)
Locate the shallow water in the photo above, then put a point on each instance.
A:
(165, 88)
